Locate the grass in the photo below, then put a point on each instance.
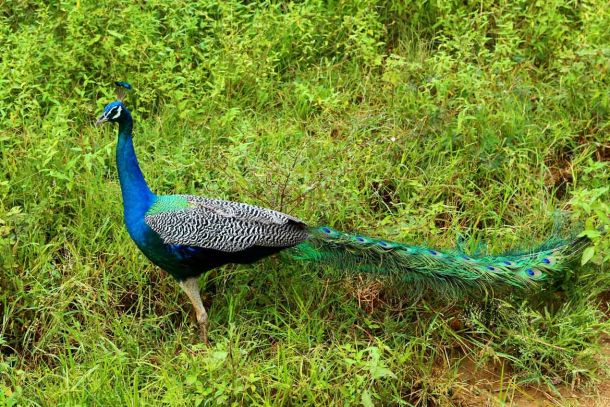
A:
(410, 122)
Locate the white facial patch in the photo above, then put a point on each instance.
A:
(118, 113)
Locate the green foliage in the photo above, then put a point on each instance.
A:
(411, 121)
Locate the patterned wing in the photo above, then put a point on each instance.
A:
(222, 225)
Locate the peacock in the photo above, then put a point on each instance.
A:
(187, 235)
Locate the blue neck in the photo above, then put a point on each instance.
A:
(137, 197)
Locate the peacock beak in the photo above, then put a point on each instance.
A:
(101, 120)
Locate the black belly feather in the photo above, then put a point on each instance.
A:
(190, 261)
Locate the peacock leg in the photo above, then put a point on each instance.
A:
(191, 288)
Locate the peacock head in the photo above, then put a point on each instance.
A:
(115, 112)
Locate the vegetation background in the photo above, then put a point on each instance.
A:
(409, 120)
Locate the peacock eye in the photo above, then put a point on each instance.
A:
(114, 113)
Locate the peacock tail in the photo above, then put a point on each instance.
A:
(440, 270)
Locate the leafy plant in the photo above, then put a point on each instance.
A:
(416, 121)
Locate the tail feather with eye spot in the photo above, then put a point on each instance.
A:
(439, 270)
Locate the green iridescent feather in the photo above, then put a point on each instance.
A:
(168, 203)
(442, 271)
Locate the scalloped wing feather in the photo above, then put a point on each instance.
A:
(222, 225)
